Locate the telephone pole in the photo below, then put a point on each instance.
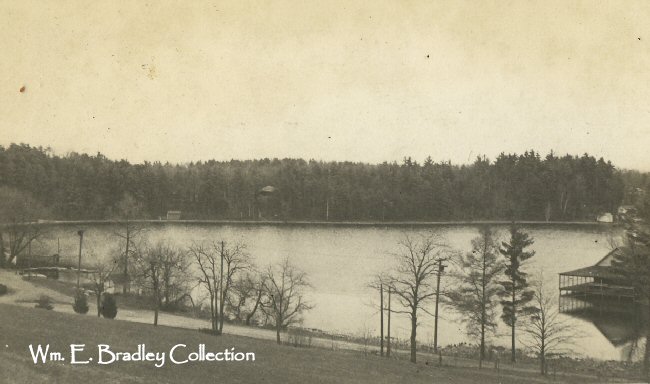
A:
(81, 239)
(441, 268)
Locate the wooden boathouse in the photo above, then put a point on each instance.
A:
(594, 286)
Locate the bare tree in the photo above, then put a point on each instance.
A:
(545, 332)
(208, 264)
(154, 263)
(235, 259)
(102, 268)
(245, 291)
(477, 289)
(285, 286)
(175, 279)
(414, 279)
(218, 265)
(19, 212)
(126, 210)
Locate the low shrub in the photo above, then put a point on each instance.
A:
(44, 302)
(80, 303)
(109, 306)
(3, 289)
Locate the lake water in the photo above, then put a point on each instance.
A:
(340, 261)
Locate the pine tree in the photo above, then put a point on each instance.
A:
(477, 289)
(516, 293)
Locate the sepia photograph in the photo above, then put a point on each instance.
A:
(413, 191)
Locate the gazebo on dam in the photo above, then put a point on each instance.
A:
(597, 287)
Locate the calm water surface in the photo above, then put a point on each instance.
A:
(340, 261)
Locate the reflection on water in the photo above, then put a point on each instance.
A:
(340, 261)
(623, 323)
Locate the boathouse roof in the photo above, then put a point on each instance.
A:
(602, 269)
(593, 271)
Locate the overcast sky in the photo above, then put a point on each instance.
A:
(332, 80)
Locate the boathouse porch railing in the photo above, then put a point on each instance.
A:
(581, 292)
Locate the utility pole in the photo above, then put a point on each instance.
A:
(221, 290)
(388, 331)
(381, 311)
(81, 239)
(441, 268)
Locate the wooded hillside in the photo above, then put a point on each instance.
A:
(512, 187)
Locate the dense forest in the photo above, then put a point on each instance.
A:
(511, 187)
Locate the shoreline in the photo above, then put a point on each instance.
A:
(299, 223)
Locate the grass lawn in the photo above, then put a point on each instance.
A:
(21, 326)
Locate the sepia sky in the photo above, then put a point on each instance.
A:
(333, 80)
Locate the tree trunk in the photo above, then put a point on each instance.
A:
(99, 304)
(414, 325)
(212, 314)
(257, 303)
(646, 356)
(542, 360)
(126, 261)
(514, 359)
(221, 297)
(277, 333)
(482, 348)
(514, 320)
(2, 251)
(157, 305)
(381, 322)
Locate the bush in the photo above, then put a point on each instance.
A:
(3, 289)
(44, 302)
(109, 306)
(80, 303)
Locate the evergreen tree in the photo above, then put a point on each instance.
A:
(516, 292)
(476, 294)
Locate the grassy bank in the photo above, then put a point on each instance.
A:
(456, 356)
(20, 327)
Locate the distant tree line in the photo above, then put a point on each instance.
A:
(511, 187)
